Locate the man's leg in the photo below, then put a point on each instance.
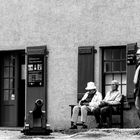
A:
(105, 111)
(75, 116)
(96, 113)
(137, 105)
(84, 110)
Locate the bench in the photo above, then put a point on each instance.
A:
(118, 110)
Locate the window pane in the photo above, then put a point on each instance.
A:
(6, 72)
(123, 78)
(116, 54)
(11, 72)
(6, 83)
(6, 95)
(108, 78)
(11, 83)
(123, 65)
(117, 77)
(6, 61)
(116, 66)
(107, 66)
(12, 60)
(124, 90)
(107, 54)
(123, 53)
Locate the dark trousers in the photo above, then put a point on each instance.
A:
(102, 113)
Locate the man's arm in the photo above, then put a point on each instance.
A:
(83, 98)
(96, 101)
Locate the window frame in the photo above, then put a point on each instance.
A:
(121, 72)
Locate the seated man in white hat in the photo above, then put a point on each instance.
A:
(89, 102)
(103, 111)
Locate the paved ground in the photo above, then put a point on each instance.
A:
(92, 134)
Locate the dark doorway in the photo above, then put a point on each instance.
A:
(12, 88)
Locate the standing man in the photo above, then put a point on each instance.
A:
(137, 83)
(89, 102)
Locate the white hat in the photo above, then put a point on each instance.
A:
(90, 86)
(138, 51)
(115, 82)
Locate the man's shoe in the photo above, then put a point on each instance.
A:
(84, 126)
(73, 127)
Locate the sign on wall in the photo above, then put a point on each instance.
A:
(131, 57)
(35, 70)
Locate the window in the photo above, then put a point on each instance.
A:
(9, 78)
(114, 67)
(114, 60)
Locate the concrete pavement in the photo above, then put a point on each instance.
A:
(92, 134)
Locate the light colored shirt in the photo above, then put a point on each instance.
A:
(97, 98)
(113, 97)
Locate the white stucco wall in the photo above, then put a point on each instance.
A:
(63, 25)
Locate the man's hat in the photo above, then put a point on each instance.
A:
(90, 86)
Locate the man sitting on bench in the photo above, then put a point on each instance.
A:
(112, 97)
(89, 102)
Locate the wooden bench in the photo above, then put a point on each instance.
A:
(118, 110)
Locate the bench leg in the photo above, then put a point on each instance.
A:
(121, 121)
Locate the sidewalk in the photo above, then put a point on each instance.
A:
(92, 134)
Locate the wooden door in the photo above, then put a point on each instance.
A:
(9, 88)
